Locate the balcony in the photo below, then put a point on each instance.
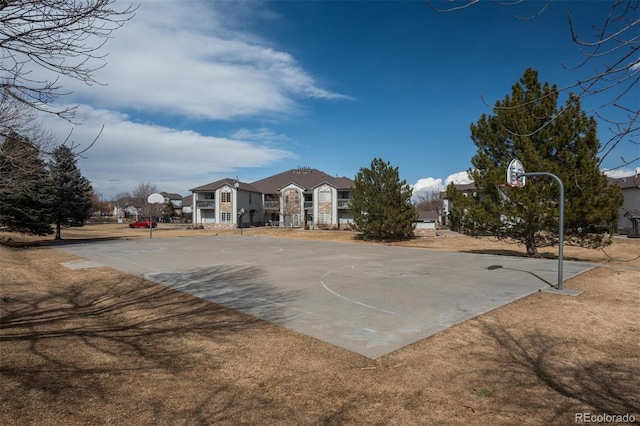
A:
(343, 203)
(272, 205)
(206, 204)
(308, 204)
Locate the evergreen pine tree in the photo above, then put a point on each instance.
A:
(24, 203)
(70, 191)
(381, 203)
(545, 139)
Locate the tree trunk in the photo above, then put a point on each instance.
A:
(58, 227)
(532, 250)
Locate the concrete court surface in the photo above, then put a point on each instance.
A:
(369, 299)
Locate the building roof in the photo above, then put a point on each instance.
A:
(632, 181)
(171, 195)
(428, 216)
(187, 201)
(222, 182)
(304, 177)
(633, 214)
(465, 186)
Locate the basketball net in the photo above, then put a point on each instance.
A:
(501, 190)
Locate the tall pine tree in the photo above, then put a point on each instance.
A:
(381, 203)
(529, 126)
(24, 202)
(70, 191)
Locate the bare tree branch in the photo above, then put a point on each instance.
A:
(614, 50)
(59, 37)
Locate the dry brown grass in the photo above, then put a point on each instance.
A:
(97, 346)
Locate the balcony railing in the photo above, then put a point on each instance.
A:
(272, 205)
(205, 203)
(343, 203)
(308, 204)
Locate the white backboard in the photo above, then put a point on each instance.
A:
(514, 172)
(155, 198)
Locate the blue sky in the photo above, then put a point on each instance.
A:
(198, 91)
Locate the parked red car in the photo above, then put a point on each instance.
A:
(143, 224)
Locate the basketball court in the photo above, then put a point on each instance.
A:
(369, 299)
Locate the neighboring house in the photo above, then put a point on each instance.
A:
(186, 206)
(175, 200)
(629, 216)
(124, 208)
(466, 189)
(226, 204)
(426, 223)
(295, 198)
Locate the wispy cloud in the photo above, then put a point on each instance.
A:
(128, 153)
(262, 134)
(208, 69)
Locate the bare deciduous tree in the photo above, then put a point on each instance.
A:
(614, 55)
(429, 200)
(60, 37)
(139, 198)
(18, 124)
(100, 207)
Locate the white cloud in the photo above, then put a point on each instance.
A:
(211, 69)
(128, 153)
(623, 172)
(460, 178)
(207, 69)
(428, 185)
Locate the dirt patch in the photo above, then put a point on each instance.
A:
(96, 346)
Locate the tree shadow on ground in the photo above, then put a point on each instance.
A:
(516, 253)
(11, 243)
(496, 252)
(224, 285)
(70, 241)
(604, 383)
(64, 338)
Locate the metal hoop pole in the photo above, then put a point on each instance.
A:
(561, 225)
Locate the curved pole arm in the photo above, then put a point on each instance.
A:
(561, 225)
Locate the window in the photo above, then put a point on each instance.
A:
(297, 199)
(324, 196)
(225, 197)
(324, 218)
(226, 216)
(296, 220)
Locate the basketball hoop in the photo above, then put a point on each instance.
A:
(515, 173)
(517, 183)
